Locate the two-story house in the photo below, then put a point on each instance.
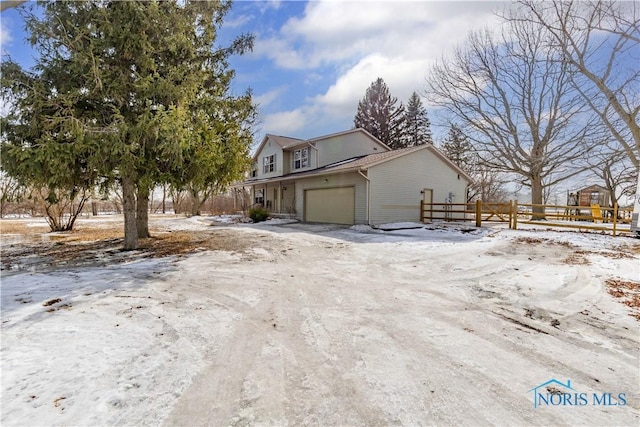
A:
(350, 178)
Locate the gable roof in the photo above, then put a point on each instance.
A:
(594, 187)
(286, 142)
(365, 162)
(282, 141)
(346, 132)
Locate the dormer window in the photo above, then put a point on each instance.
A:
(301, 158)
(269, 163)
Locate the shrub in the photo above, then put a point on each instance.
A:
(258, 214)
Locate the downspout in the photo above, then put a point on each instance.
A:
(368, 195)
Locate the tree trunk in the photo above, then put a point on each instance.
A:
(196, 204)
(164, 198)
(142, 210)
(536, 198)
(129, 208)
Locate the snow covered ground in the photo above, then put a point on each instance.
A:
(297, 324)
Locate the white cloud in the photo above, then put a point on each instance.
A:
(399, 74)
(280, 51)
(331, 32)
(6, 106)
(285, 122)
(268, 97)
(269, 4)
(238, 21)
(361, 41)
(5, 35)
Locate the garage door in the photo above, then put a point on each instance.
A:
(332, 205)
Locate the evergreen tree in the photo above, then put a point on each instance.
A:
(459, 150)
(417, 124)
(487, 184)
(378, 114)
(137, 92)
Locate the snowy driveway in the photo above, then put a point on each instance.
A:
(446, 326)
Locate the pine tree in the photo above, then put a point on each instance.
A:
(459, 150)
(378, 114)
(417, 124)
(133, 92)
(487, 184)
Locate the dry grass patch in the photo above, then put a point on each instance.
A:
(98, 245)
(183, 242)
(628, 292)
(529, 240)
(577, 258)
(90, 234)
(23, 227)
(537, 241)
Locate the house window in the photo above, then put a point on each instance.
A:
(254, 170)
(259, 199)
(269, 163)
(301, 158)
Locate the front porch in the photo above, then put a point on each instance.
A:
(279, 198)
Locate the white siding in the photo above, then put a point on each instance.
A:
(351, 179)
(342, 147)
(288, 198)
(270, 148)
(287, 157)
(313, 159)
(396, 186)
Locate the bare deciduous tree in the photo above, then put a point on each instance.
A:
(600, 41)
(487, 184)
(11, 192)
(516, 104)
(615, 170)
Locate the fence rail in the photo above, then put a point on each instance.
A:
(593, 217)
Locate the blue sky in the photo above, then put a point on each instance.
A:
(313, 61)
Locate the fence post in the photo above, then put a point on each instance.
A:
(615, 218)
(421, 210)
(515, 214)
(478, 213)
(510, 213)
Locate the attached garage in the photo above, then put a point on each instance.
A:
(371, 188)
(331, 205)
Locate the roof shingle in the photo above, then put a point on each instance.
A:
(284, 141)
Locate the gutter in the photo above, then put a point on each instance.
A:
(297, 175)
(368, 195)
